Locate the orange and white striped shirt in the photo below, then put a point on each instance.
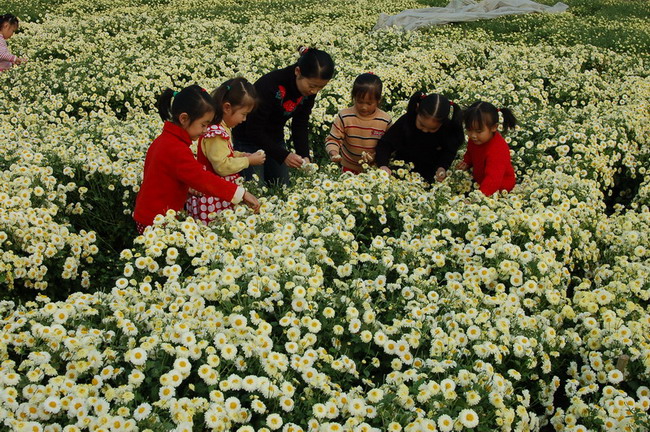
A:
(351, 135)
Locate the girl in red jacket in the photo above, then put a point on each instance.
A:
(170, 168)
(487, 152)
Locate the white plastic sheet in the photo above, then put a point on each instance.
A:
(464, 10)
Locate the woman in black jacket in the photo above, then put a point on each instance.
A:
(284, 94)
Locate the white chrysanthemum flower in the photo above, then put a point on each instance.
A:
(468, 418)
(142, 411)
(615, 376)
(274, 421)
(137, 356)
(445, 423)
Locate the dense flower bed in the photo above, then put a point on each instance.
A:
(355, 302)
(348, 302)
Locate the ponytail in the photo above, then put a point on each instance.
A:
(456, 114)
(192, 100)
(414, 102)
(314, 63)
(237, 92)
(436, 106)
(484, 113)
(509, 120)
(164, 104)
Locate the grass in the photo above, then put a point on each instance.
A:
(621, 26)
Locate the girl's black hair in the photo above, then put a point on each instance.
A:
(193, 100)
(314, 63)
(484, 113)
(234, 91)
(436, 106)
(367, 84)
(8, 18)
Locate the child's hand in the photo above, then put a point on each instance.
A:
(462, 166)
(20, 60)
(257, 158)
(293, 161)
(252, 202)
(367, 157)
(335, 156)
(385, 168)
(441, 174)
(194, 192)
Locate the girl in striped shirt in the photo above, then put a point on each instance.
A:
(357, 129)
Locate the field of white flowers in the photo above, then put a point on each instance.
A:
(350, 302)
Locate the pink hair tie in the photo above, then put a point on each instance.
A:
(498, 109)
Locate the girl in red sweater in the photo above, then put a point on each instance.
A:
(170, 168)
(487, 152)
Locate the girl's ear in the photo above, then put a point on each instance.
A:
(227, 108)
(184, 119)
(494, 127)
(297, 72)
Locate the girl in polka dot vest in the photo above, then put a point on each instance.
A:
(235, 99)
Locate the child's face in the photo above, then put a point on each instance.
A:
(8, 30)
(198, 127)
(309, 86)
(480, 134)
(427, 124)
(235, 115)
(365, 105)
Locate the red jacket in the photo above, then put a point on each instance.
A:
(491, 165)
(170, 169)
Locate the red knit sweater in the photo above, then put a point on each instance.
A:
(491, 165)
(170, 169)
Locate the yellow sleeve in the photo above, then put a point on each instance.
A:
(217, 151)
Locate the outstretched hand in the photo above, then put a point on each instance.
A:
(194, 192)
(367, 157)
(257, 158)
(335, 156)
(441, 174)
(293, 161)
(251, 201)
